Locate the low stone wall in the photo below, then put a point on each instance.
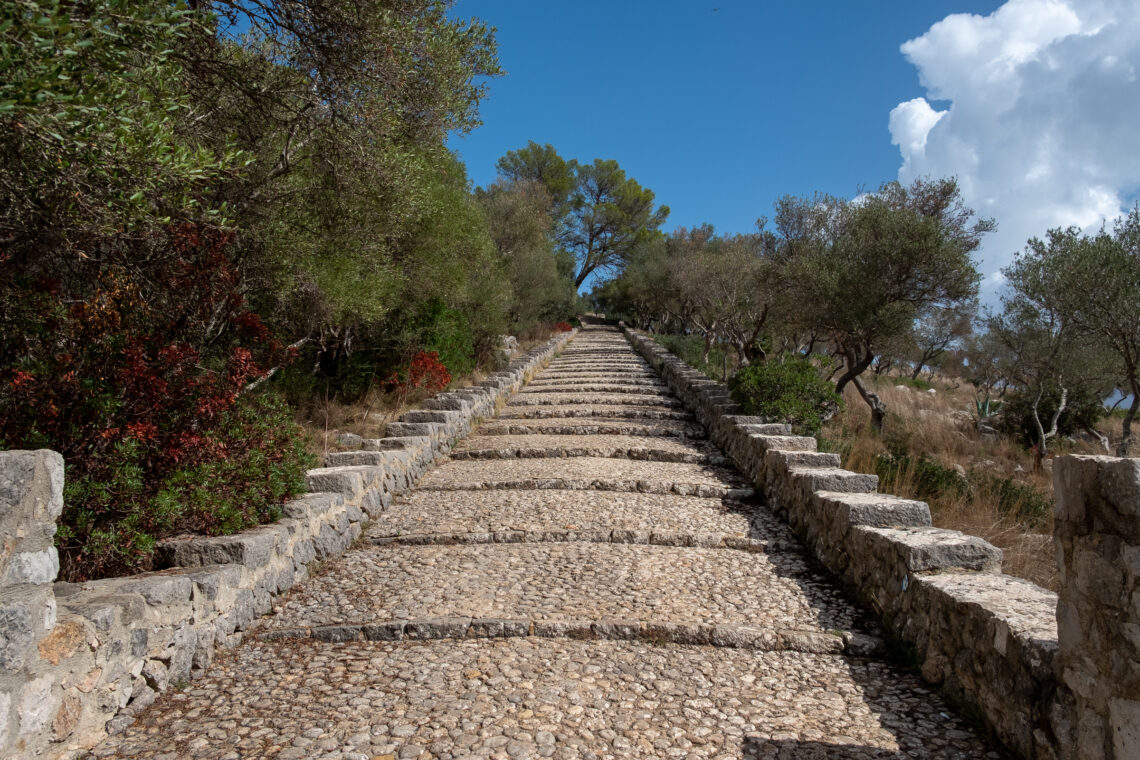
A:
(988, 639)
(78, 661)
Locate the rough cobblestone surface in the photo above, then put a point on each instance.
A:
(520, 698)
(485, 511)
(581, 592)
(570, 581)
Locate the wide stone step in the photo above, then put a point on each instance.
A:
(589, 426)
(587, 473)
(619, 374)
(622, 399)
(571, 581)
(607, 446)
(530, 697)
(594, 387)
(510, 512)
(612, 411)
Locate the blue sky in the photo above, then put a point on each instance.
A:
(1031, 103)
(718, 112)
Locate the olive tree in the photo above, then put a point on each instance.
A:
(869, 267)
(1093, 285)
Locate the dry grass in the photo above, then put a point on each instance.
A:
(325, 418)
(941, 427)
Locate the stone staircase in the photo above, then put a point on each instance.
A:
(587, 577)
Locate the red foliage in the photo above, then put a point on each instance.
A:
(425, 372)
(148, 344)
(563, 326)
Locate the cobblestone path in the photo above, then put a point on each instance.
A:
(585, 579)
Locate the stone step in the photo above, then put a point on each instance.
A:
(572, 581)
(469, 512)
(531, 697)
(607, 446)
(583, 473)
(603, 388)
(589, 426)
(727, 635)
(613, 411)
(562, 399)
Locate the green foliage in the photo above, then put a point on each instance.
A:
(92, 101)
(1084, 407)
(987, 407)
(691, 348)
(112, 521)
(787, 390)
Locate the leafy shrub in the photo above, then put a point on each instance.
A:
(789, 390)
(114, 515)
(563, 326)
(690, 349)
(447, 333)
(1083, 408)
(928, 478)
(131, 366)
(426, 372)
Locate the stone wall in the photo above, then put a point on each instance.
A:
(987, 639)
(78, 661)
(1097, 528)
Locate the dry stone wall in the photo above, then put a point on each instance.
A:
(77, 661)
(989, 640)
(1097, 527)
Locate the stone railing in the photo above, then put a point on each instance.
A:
(989, 640)
(77, 661)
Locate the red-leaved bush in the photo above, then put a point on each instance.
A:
(132, 366)
(563, 326)
(425, 372)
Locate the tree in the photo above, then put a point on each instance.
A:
(1093, 285)
(869, 267)
(541, 164)
(938, 329)
(518, 214)
(600, 215)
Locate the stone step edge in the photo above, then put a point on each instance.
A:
(497, 428)
(637, 454)
(615, 412)
(624, 486)
(613, 629)
(612, 536)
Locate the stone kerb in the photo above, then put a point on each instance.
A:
(78, 661)
(1097, 532)
(986, 638)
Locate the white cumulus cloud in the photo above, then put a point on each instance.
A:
(1043, 122)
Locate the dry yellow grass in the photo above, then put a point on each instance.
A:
(942, 427)
(325, 418)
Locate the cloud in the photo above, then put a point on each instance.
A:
(1043, 126)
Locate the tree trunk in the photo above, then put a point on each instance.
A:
(878, 408)
(710, 335)
(917, 371)
(1126, 438)
(855, 367)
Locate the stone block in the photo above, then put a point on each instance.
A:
(252, 548)
(17, 635)
(923, 550)
(874, 510)
(353, 458)
(343, 480)
(158, 589)
(811, 480)
(35, 567)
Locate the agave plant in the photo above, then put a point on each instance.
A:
(986, 408)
